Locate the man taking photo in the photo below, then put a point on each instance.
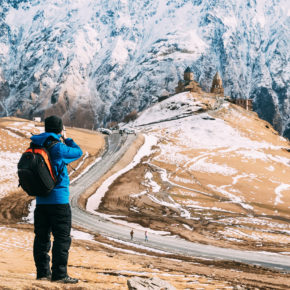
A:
(53, 213)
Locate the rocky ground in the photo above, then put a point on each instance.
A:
(103, 264)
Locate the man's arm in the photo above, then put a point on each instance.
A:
(70, 151)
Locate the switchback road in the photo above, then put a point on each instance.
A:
(116, 147)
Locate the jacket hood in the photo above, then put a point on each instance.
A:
(41, 138)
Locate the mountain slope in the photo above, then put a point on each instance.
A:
(217, 175)
(98, 262)
(95, 61)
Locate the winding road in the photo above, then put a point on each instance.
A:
(117, 145)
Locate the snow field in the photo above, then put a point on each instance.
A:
(8, 175)
(9, 239)
(238, 164)
(215, 140)
(12, 144)
(145, 150)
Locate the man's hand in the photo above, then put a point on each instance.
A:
(63, 135)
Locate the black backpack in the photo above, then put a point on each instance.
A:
(35, 170)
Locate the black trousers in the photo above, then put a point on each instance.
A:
(55, 219)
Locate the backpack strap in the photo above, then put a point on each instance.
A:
(50, 142)
(61, 170)
(48, 145)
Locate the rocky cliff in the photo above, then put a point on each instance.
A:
(95, 61)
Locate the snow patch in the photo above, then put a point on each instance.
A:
(79, 235)
(203, 166)
(278, 191)
(8, 176)
(95, 200)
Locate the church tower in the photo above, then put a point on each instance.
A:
(217, 85)
(188, 74)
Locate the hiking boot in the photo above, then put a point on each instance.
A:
(44, 278)
(66, 280)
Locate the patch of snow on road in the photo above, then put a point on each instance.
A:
(95, 200)
(136, 246)
(115, 219)
(129, 251)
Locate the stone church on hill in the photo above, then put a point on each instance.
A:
(188, 84)
(217, 85)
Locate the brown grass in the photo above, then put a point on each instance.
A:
(256, 189)
(14, 205)
(99, 266)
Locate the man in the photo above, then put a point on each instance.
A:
(132, 234)
(146, 236)
(52, 213)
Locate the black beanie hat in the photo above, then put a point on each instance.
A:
(53, 124)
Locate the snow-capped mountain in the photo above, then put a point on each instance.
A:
(96, 61)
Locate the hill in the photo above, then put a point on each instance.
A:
(217, 174)
(14, 139)
(98, 263)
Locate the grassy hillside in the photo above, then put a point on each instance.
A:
(161, 193)
(218, 175)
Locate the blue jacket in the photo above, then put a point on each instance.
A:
(61, 154)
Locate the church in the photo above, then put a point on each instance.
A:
(188, 84)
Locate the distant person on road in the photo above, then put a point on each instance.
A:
(132, 234)
(53, 213)
(146, 236)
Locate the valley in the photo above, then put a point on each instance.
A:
(187, 183)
